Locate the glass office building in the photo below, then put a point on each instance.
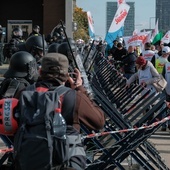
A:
(163, 14)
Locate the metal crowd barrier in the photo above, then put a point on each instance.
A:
(125, 108)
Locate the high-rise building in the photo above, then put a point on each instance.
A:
(162, 14)
(129, 24)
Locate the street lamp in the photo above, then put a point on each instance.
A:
(150, 21)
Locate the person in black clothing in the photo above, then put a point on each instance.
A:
(12, 47)
(81, 109)
(21, 73)
(128, 62)
(120, 52)
(37, 46)
(35, 31)
(114, 47)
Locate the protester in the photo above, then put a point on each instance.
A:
(148, 53)
(159, 61)
(153, 48)
(114, 47)
(120, 52)
(158, 49)
(53, 73)
(146, 74)
(129, 62)
(138, 50)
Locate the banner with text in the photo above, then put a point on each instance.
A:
(138, 39)
(117, 24)
(166, 38)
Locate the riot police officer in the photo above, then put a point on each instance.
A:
(35, 31)
(23, 67)
(12, 47)
(37, 46)
(21, 73)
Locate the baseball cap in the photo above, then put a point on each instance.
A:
(56, 64)
(166, 49)
(141, 60)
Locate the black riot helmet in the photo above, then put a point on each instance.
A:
(53, 48)
(17, 32)
(22, 65)
(36, 27)
(37, 46)
(36, 42)
(73, 45)
(65, 49)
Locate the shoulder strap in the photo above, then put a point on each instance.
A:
(23, 80)
(12, 88)
(31, 87)
(61, 89)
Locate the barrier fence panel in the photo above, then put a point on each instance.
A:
(131, 114)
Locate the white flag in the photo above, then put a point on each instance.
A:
(136, 40)
(117, 23)
(166, 38)
(135, 32)
(155, 31)
(120, 2)
(91, 25)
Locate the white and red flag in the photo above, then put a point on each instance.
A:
(120, 2)
(117, 23)
(91, 25)
(166, 38)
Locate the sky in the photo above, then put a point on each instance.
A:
(144, 13)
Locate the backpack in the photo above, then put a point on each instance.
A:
(9, 124)
(35, 146)
(8, 105)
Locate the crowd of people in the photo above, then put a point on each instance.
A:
(46, 62)
(145, 66)
(46, 65)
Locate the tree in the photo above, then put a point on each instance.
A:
(80, 17)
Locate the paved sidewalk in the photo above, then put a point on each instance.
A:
(161, 141)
